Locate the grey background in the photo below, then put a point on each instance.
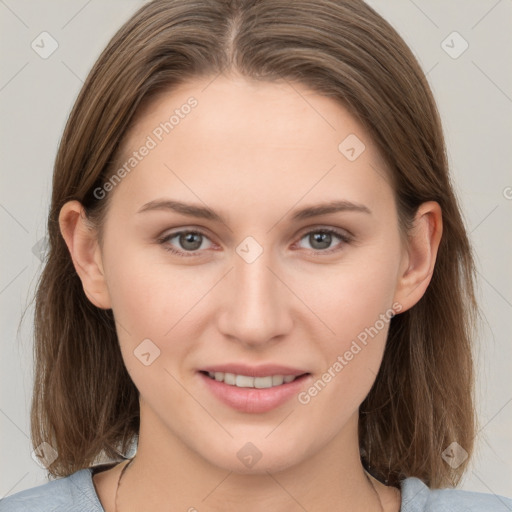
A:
(474, 95)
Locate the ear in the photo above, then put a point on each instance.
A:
(419, 256)
(81, 239)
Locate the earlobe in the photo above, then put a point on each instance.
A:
(420, 255)
(83, 246)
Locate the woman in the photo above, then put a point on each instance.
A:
(258, 275)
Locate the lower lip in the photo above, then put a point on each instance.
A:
(254, 400)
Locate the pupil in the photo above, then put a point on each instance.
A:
(187, 239)
(323, 238)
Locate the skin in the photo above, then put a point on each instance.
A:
(267, 149)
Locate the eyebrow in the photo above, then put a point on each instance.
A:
(204, 212)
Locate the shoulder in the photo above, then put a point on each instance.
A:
(417, 497)
(74, 493)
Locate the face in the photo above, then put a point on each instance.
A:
(256, 282)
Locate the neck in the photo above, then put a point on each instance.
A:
(168, 475)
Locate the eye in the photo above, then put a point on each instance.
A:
(321, 239)
(191, 241)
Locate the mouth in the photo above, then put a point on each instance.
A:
(253, 394)
(247, 381)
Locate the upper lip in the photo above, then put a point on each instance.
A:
(253, 371)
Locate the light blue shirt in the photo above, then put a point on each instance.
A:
(76, 493)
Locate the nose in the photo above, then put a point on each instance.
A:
(254, 304)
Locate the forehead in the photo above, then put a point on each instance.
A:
(268, 141)
(253, 112)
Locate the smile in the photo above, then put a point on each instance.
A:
(250, 394)
(245, 381)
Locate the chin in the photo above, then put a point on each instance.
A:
(256, 458)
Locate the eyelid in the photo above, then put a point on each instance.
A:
(342, 232)
(344, 235)
(163, 239)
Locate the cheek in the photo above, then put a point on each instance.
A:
(358, 310)
(352, 295)
(153, 307)
(356, 304)
(151, 296)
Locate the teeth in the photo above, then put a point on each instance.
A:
(277, 380)
(229, 378)
(244, 381)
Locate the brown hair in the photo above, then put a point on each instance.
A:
(84, 402)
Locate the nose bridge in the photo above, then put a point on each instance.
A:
(254, 309)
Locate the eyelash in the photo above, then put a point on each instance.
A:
(346, 239)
